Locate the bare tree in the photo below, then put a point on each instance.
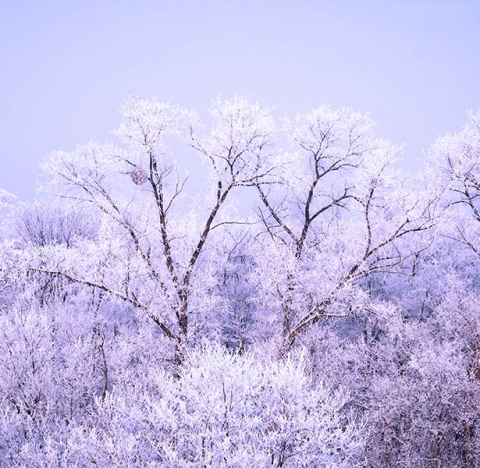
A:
(336, 215)
(454, 163)
(151, 236)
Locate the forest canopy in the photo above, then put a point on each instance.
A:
(245, 291)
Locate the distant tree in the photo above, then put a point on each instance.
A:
(236, 322)
(8, 203)
(42, 224)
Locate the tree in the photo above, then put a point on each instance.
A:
(7, 205)
(338, 213)
(454, 164)
(148, 237)
(44, 224)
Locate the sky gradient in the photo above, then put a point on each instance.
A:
(67, 66)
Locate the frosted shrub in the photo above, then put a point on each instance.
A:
(226, 410)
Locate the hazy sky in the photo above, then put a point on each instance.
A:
(67, 66)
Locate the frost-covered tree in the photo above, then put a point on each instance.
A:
(43, 224)
(7, 204)
(454, 165)
(152, 238)
(338, 213)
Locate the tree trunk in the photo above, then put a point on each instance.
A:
(181, 339)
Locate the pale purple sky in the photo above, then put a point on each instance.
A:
(67, 66)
